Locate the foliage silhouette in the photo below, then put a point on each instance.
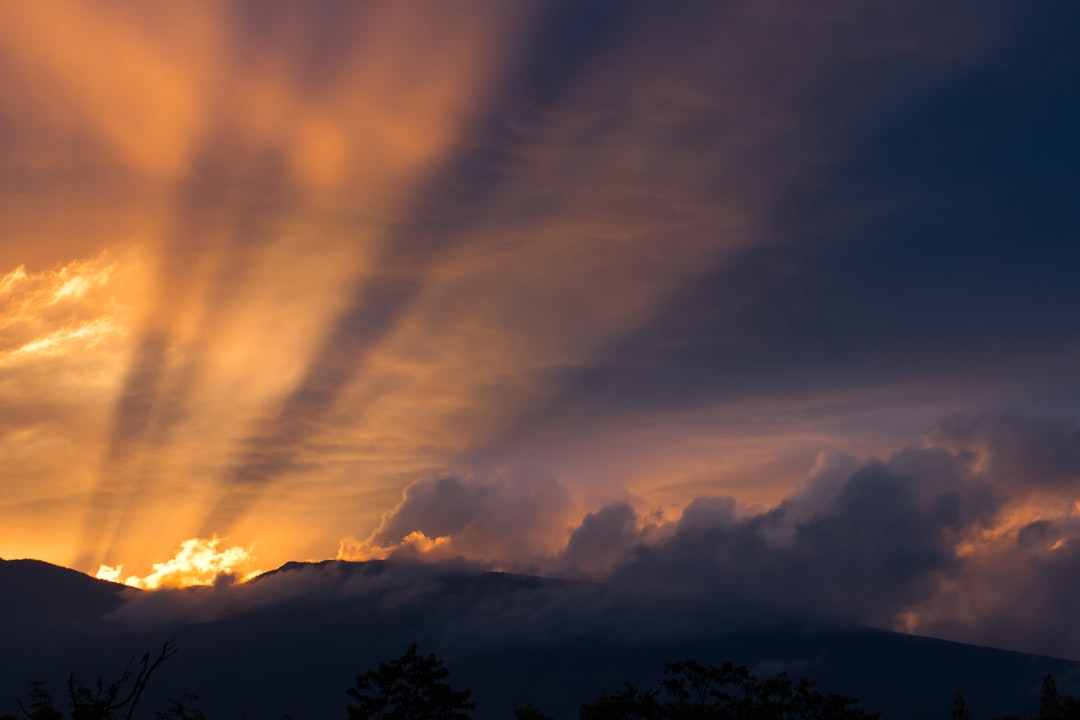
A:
(414, 687)
(410, 687)
(693, 691)
(181, 708)
(115, 701)
(1051, 704)
(41, 703)
(528, 711)
(960, 709)
(629, 703)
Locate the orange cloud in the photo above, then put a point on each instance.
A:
(197, 562)
(415, 544)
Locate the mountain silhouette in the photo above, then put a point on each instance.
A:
(38, 596)
(293, 639)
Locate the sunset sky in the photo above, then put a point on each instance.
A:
(520, 282)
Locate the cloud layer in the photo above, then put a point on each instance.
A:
(948, 541)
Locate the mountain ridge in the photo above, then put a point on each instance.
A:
(295, 637)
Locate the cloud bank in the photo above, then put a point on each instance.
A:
(949, 539)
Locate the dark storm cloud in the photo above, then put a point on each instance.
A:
(870, 542)
(879, 546)
(437, 508)
(1021, 596)
(1024, 452)
(861, 543)
(504, 522)
(600, 541)
(886, 543)
(926, 540)
(1042, 618)
(1034, 532)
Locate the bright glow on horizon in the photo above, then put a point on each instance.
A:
(197, 562)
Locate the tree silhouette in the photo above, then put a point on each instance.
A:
(41, 705)
(693, 691)
(699, 691)
(115, 701)
(528, 711)
(1051, 705)
(408, 688)
(960, 710)
(629, 703)
(182, 708)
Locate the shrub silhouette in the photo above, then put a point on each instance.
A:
(960, 710)
(1052, 704)
(41, 705)
(528, 711)
(628, 703)
(115, 701)
(181, 708)
(410, 687)
(692, 691)
(414, 687)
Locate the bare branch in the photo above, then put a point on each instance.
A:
(168, 649)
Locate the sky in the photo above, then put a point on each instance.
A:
(744, 300)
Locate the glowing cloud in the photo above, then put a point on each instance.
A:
(197, 562)
(69, 309)
(415, 543)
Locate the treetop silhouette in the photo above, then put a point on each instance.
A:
(693, 691)
(410, 687)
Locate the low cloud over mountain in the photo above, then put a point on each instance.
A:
(953, 538)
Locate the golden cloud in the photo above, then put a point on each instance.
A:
(197, 561)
